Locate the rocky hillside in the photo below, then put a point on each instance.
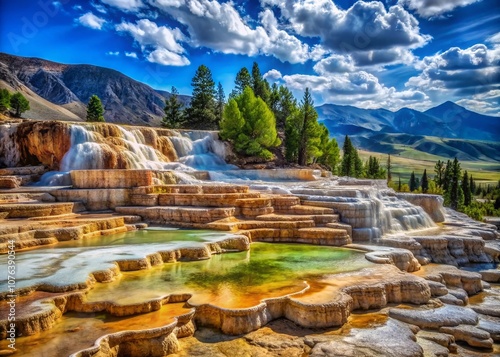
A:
(60, 91)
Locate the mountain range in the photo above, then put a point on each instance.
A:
(447, 130)
(61, 91)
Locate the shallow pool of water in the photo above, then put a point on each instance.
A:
(233, 280)
(71, 262)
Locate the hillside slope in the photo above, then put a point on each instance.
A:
(63, 91)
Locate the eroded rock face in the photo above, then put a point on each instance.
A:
(42, 142)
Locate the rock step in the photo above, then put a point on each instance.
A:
(168, 214)
(24, 170)
(234, 226)
(28, 236)
(317, 236)
(306, 209)
(26, 197)
(193, 189)
(319, 219)
(252, 212)
(10, 182)
(469, 334)
(338, 225)
(205, 200)
(27, 210)
(246, 225)
(282, 202)
(256, 202)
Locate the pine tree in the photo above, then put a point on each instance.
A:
(243, 80)
(425, 182)
(389, 169)
(221, 101)
(95, 111)
(330, 152)
(447, 176)
(373, 169)
(455, 191)
(472, 185)
(250, 125)
(439, 169)
(285, 106)
(260, 86)
(307, 129)
(4, 100)
(351, 164)
(174, 117)
(399, 184)
(413, 182)
(201, 113)
(347, 165)
(466, 189)
(19, 103)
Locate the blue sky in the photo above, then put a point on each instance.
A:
(390, 54)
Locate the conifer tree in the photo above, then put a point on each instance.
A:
(250, 125)
(243, 80)
(389, 169)
(466, 189)
(439, 169)
(201, 113)
(454, 191)
(373, 169)
(351, 163)
(174, 117)
(19, 103)
(259, 85)
(285, 106)
(472, 185)
(399, 184)
(95, 111)
(413, 182)
(303, 133)
(330, 155)
(447, 176)
(221, 101)
(425, 182)
(308, 127)
(4, 100)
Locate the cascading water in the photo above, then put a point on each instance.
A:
(194, 150)
(371, 212)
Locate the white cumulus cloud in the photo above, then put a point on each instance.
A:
(272, 75)
(160, 44)
(91, 20)
(125, 5)
(131, 54)
(433, 8)
(472, 73)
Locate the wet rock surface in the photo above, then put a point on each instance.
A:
(447, 315)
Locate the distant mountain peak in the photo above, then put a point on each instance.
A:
(69, 87)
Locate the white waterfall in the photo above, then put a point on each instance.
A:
(196, 150)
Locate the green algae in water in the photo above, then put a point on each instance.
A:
(275, 263)
(234, 280)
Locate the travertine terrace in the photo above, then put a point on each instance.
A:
(411, 248)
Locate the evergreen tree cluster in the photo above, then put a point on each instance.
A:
(255, 117)
(351, 163)
(17, 102)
